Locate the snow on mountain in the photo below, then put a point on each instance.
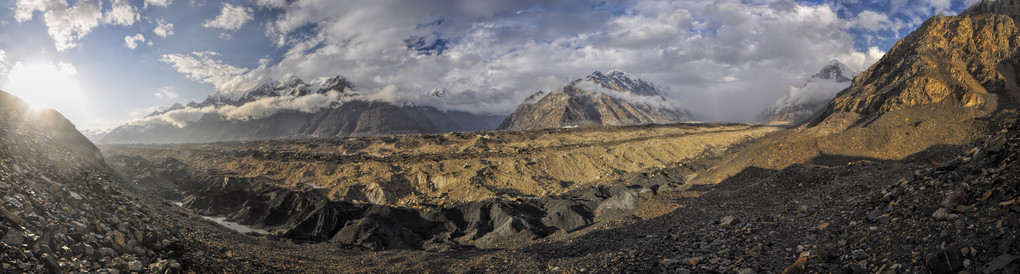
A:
(802, 100)
(437, 92)
(613, 98)
(624, 82)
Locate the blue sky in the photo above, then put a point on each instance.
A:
(726, 60)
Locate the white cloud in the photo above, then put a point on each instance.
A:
(167, 92)
(131, 42)
(231, 18)
(158, 3)
(121, 13)
(874, 21)
(4, 69)
(163, 29)
(860, 61)
(201, 66)
(64, 24)
(67, 24)
(491, 54)
(271, 3)
(258, 109)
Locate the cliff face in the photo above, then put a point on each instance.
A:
(970, 59)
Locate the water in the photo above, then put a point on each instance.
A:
(235, 226)
(231, 225)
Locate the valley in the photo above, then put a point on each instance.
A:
(909, 166)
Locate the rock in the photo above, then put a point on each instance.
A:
(940, 214)
(118, 239)
(946, 261)
(955, 198)
(747, 271)
(10, 216)
(859, 254)
(14, 238)
(998, 263)
(851, 269)
(51, 264)
(964, 209)
(874, 215)
(135, 265)
(107, 252)
(168, 266)
(798, 266)
(728, 221)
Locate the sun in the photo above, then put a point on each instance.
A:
(46, 85)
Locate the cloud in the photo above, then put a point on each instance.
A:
(490, 55)
(163, 29)
(121, 13)
(4, 67)
(131, 42)
(158, 3)
(231, 18)
(258, 109)
(860, 61)
(64, 24)
(167, 92)
(874, 21)
(67, 24)
(201, 66)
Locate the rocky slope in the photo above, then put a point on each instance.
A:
(938, 85)
(613, 98)
(805, 99)
(64, 210)
(289, 110)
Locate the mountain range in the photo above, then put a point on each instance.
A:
(291, 109)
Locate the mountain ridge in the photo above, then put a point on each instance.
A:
(613, 98)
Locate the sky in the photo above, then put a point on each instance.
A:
(106, 62)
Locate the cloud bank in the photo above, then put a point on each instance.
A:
(258, 109)
(491, 54)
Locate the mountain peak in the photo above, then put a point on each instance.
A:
(437, 92)
(836, 70)
(338, 83)
(624, 82)
(1007, 7)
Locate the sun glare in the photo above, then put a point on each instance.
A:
(46, 85)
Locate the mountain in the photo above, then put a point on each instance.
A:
(973, 71)
(64, 210)
(291, 109)
(946, 83)
(613, 98)
(803, 100)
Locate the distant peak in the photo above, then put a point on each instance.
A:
(622, 81)
(338, 83)
(437, 92)
(836, 70)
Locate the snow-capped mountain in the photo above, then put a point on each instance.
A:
(437, 92)
(613, 98)
(804, 99)
(291, 109)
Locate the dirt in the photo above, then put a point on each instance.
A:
(452, 167)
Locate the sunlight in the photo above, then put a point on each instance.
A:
(46, 85)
